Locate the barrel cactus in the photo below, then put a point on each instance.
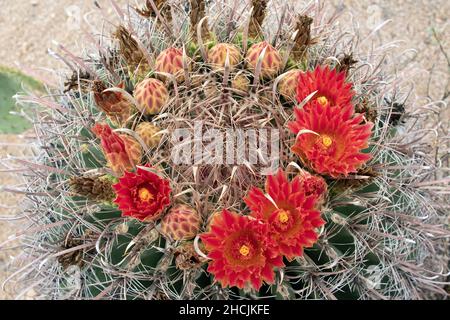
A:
(338, 199)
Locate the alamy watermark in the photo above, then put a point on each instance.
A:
(203, 145)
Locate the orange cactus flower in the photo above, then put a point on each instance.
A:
(329, 141)
(238, 248)
(289, 213)
(331, 87)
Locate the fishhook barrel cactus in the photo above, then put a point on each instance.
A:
(327, 190)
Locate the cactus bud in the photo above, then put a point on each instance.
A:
(218, 54)
(181, 223)
(151, 96)
(241, 83)
(271, 61)
(171, 61)
(149, 134)
(288, 85)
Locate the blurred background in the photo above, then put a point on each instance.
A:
(28, 28)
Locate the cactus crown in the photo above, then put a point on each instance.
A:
(231, 71)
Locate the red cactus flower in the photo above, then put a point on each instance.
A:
(289, 213)
(331, 87)
(237, 246)
(121, 151)
(329, 141)
(142, 195)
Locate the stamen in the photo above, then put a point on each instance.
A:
(283, 216)
(145, 195)
(326, 141)
(322, 100)
(244, 250)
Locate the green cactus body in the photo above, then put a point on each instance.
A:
(378, 220)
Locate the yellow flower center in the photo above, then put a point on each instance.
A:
(145, 195)
(326, 141)
(283, 216)
(322, 100)
(244, 250)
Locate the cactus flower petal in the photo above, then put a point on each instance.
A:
(313, 185)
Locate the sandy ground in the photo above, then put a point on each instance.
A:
(28, 27)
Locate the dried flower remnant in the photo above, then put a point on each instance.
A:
(118, 109)
(257, 19)
(97, 188)
(135, 58)
(303, 38)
